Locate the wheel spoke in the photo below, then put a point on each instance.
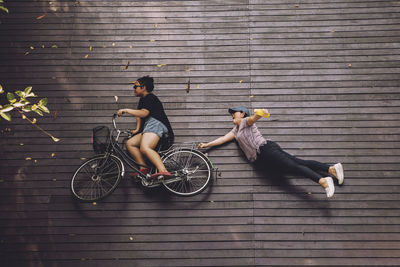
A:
(91, 184)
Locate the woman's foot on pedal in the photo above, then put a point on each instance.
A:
(161, 175)
(144, 171)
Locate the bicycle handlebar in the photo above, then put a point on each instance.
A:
(113, 120)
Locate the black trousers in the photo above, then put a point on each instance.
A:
(272, 156)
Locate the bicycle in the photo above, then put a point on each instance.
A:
(100, 175)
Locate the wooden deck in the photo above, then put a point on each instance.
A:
(327, 70)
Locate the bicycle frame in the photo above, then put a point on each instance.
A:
(114, 148)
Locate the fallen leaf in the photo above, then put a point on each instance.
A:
(54, 46)
(188, 86)
(198, 86)
(55, 139)
(40, 17)
(21, 144)
(155, 25)
(90, 48)
(94, 203)
(33, 121)
(332, 30)
(113, 44)
(31, 47)
(310, 193)
(131, 238)
(55, 114)
(240, 81)
(296, 6)
(54, 180)
(126, 65)
(35, 161)
(42, 46)
(212, 201)
(251, 96)
(86, 56)
(130, 46)
(187, 70)
(53, 154)
(116, 98)
(350, 65)
(104, 46)
(26, 53)
(23, 117)
(28, 158)
(152, 40)
(161, 65)
(83, 158)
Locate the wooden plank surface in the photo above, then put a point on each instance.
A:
(327, 70)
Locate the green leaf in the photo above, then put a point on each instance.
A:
(18, 105)
(43, 102)
(27, 109)
(4, 9)
(38, 111)
(6, 115)
(45, 109)
(30, 95)
(28, 90)
(54, 46)
(20, 94)
(11, 97)
(7, 108)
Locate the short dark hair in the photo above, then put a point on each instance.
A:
(148, 82)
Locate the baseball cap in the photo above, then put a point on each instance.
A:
(241, 109)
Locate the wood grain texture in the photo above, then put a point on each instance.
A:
(328, 71)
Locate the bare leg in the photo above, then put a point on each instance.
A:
(147, 144)
(133, 147)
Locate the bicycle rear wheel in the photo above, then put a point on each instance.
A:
(191, 172)
(97, 178)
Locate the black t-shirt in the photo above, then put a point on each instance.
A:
(156, 109)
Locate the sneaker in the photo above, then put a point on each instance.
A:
(330, 190)
(144, 171)
(339, 172)
(161, 175)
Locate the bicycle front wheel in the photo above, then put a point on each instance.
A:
(191, 172)
(97, 178)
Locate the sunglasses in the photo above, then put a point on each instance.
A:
(136, 86)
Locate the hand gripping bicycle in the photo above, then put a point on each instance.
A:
(100, 175)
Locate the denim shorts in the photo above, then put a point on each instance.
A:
(153, 125)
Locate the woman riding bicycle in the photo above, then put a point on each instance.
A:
(267, 153)
(152, 124)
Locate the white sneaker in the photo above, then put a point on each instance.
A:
(339, 172)
(330, 190)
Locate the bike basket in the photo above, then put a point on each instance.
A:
(100, 138)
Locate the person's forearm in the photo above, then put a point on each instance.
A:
(216, 142)
(136, 112)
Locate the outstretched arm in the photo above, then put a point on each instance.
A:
(219, 141)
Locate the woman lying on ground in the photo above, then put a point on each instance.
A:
(269, 154)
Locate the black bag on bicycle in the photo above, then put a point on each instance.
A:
(100, 138)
